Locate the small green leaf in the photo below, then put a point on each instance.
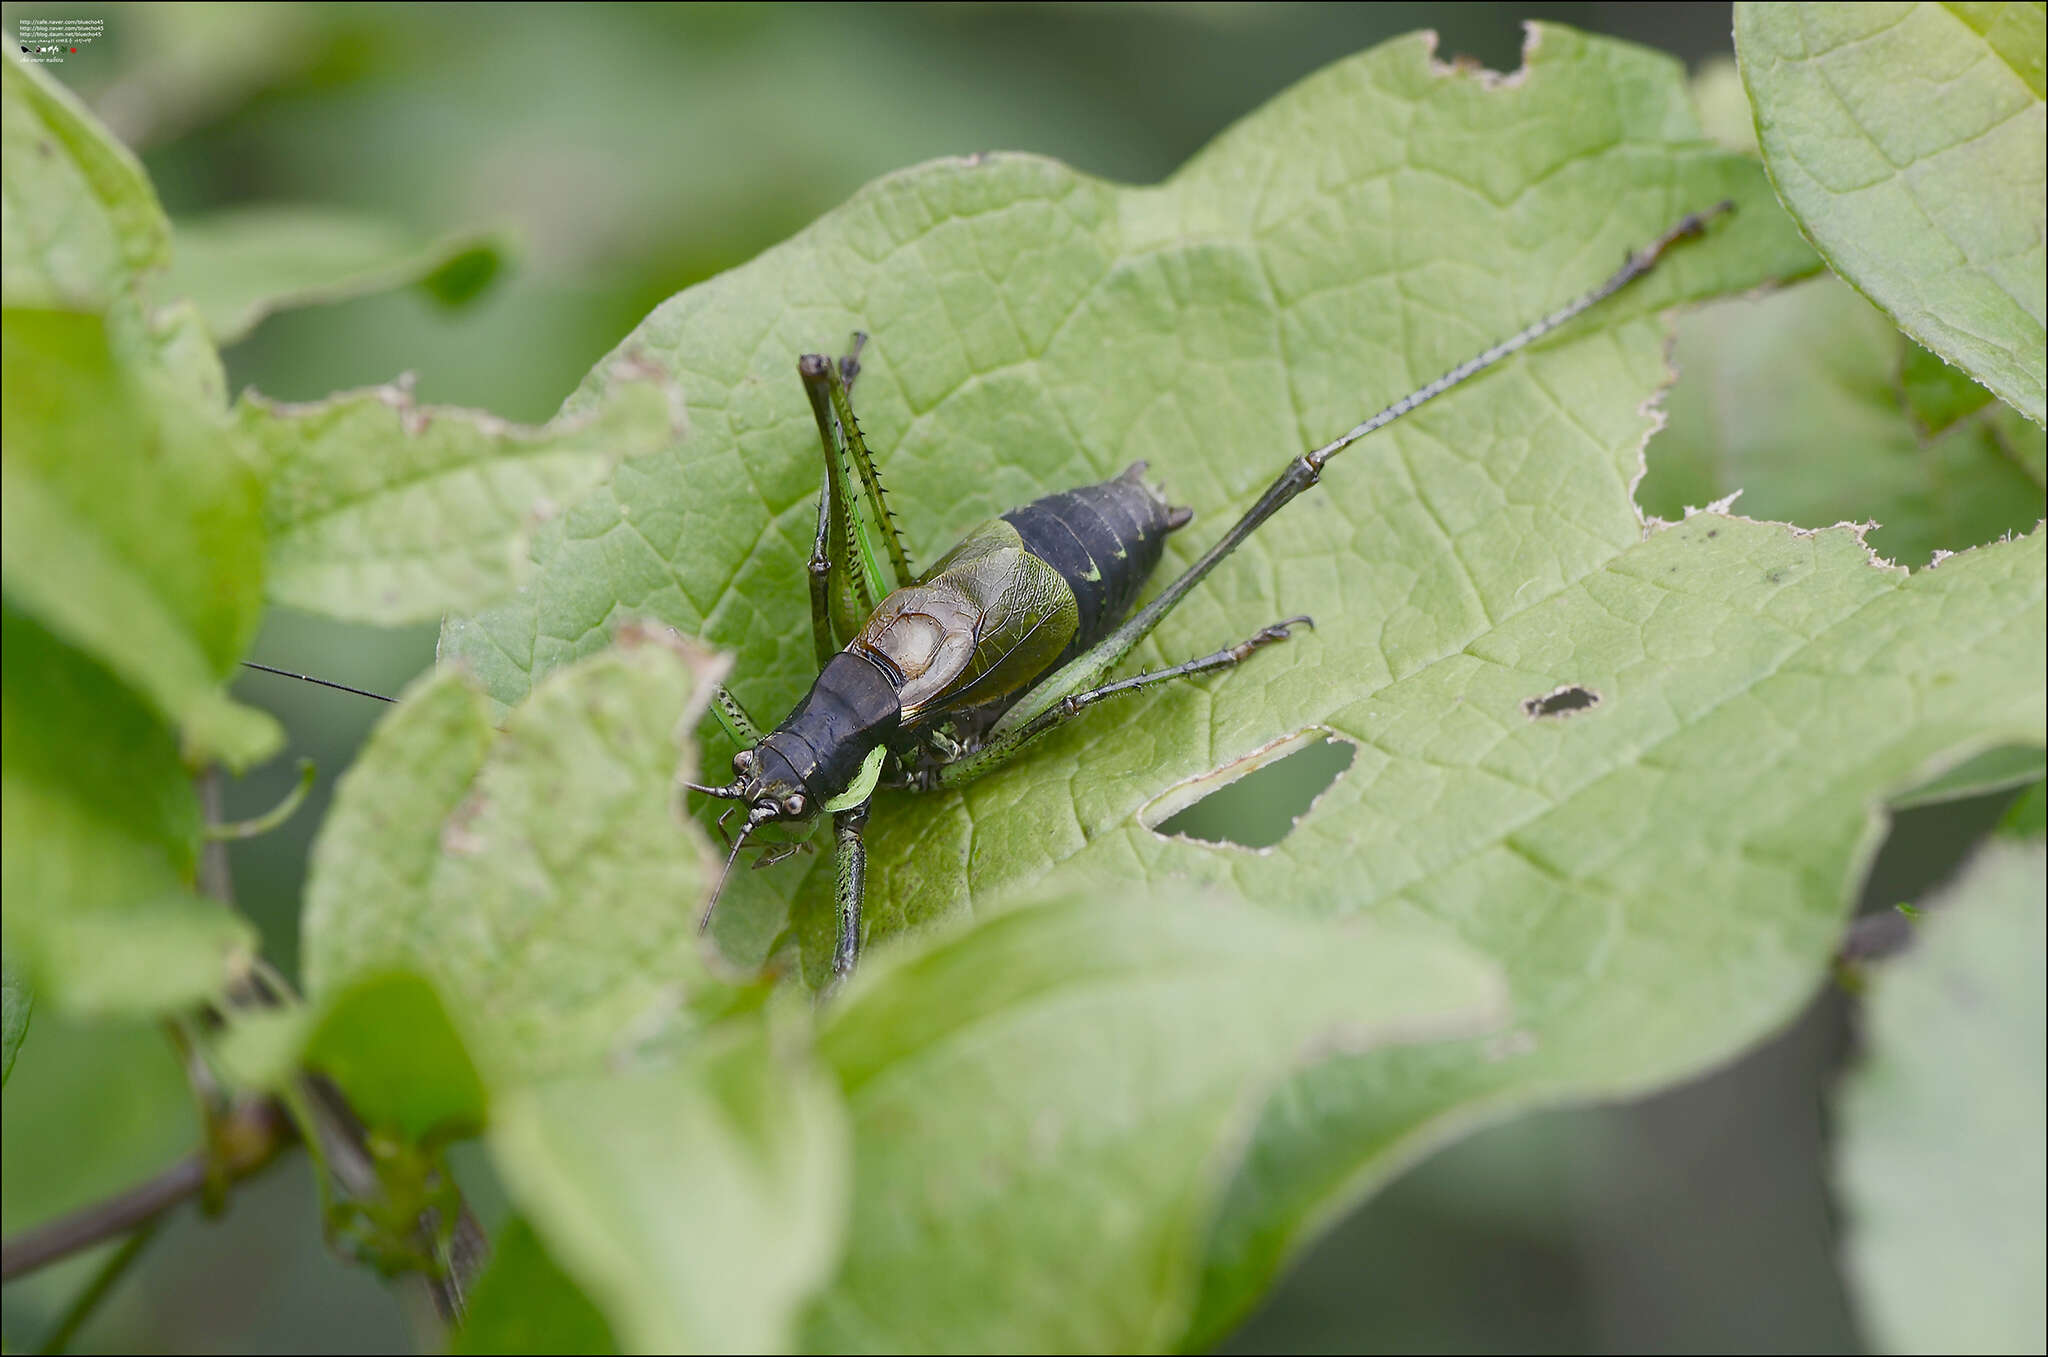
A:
(542, 879)
(2027, 817)
(101, 828)
(1794, 400)
(1909, 140)
(1937, 394)
(525, 1303)
(1943, 1154)
(699, 1202)
(383, 511)
(131, 524)
(1995, 770)
(394, 1050)
(17, 1003)
(79, 221)
(246, 263)
(1050, 1104)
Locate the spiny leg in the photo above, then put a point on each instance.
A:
(744, 730)
(1006, 746)
(832, 388)
(850, 860)
(1088, 669)
(845, 580)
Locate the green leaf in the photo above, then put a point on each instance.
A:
(101, 828)
(383, 511)
(78, 218)
(1049, 1105)
(524, 1302)
(1724, 105)
(698, 1202)
(1938, 395)
(394, 1050)
(1941, 1161)
(2027, 817)
(1995, 770)
(541, 879)
(246, 263)
(1794, 400)
(17, 1003)
(1909, 140)
(1662, 878)
(129, 523)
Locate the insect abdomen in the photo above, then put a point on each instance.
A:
(1105, 540)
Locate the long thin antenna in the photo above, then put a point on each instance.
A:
(324, 683)
(739, 842)
(1638, 263)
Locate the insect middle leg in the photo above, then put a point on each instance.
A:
(850, 864)
(1006, 746)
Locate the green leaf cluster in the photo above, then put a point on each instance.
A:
(147, 523)
(1095, 1084)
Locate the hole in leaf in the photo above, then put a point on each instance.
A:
(1560, 703)
(1256, 801)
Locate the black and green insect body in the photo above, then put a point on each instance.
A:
(1105, 541)
(1017, 597)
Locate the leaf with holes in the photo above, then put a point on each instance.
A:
(1910, 141)
(1799, 400)
(1660, 871)
(1942, 1164)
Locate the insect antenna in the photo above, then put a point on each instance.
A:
(1634, 266)
(739, 842)
(324, 683)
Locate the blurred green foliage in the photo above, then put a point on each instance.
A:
(631, 151)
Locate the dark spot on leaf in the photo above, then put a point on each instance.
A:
(1713, 532)
(1256, 801)
(1561, 703)
(1774, 577)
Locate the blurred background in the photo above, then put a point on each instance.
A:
(627, 152)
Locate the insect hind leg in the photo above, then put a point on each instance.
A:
(1008, 745)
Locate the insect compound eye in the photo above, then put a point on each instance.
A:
(793, 806)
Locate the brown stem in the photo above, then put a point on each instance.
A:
(255, 1133)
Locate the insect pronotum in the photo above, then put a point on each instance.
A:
(932, 680)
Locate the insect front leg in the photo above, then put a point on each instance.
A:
(744, 730)
(1007, 745)
(850, 860)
